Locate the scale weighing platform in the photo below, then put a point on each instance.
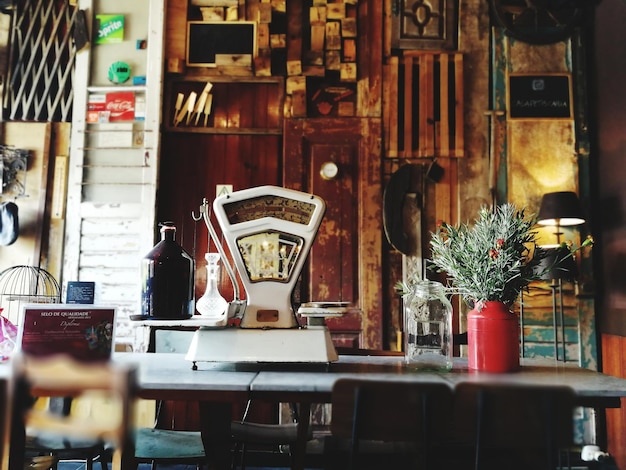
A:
(269, 231)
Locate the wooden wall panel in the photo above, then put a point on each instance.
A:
(614, 363)
(191, 167)
(425, 113)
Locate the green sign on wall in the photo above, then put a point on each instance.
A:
(110, 29)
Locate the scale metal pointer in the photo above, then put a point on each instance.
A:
(269, 231)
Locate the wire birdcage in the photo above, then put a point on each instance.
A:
(22, 285)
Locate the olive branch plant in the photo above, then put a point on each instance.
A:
(493, 259)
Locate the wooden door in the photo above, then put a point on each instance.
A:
(345, 261)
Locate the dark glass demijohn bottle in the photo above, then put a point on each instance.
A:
(167, 279)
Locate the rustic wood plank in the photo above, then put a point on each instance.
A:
(348, 72)
(176, 29)
(232, 14)
(278, 41)
(349, 28)
(298, 104)
(408, 107)
(349, 50)
(345, 109)
(295, 27)
(314, 71)
(425, 90)
(333, 35)
(317, 16)
(53, 243)
(294, 84)
(318, 35)
(336, 11)
(263, 36)
(279, 6)
(294, 67)
(614, 358)
(213, 13)
(333, 60)
(265, 13)
(252, 10)
(444, 125)
(459, 135)
(391, 99)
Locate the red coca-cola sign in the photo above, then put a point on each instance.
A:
(121, 105)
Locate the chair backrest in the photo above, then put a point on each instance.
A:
(63, 376)
(390, 410)
(514, 418)
(6, 410)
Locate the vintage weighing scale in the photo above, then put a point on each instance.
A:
(269, 231)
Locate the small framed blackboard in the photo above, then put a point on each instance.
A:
(80, 292)
(547, 96)
(208, 39)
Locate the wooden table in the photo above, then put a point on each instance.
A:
(169, 376)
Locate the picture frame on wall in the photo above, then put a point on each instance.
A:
(425, 25)
(539, 96)
(215, 43)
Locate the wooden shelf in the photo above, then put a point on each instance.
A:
(223, 130)
(239, 105)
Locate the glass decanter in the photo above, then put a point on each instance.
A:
(212, 305)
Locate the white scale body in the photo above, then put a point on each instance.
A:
(269, 231)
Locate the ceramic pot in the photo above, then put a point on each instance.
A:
(493, 334)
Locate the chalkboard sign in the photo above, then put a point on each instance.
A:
(206, 39)
(540, 96)
(80, 292)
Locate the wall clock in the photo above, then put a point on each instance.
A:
(538, 21)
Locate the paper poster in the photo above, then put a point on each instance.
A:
(82, 331)
(110, 29)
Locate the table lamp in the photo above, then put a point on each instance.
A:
(560, 209)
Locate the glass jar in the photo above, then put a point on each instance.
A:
(167, 279)
(428, 327)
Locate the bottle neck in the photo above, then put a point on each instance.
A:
(168, 234)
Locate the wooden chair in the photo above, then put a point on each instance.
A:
(515, 426)
(416, 413)
(61, 447)
(163, 444)
(65, 377)
(280, 437)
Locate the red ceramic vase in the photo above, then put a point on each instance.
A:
(493, 338)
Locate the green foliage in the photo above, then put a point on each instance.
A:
(494, 259)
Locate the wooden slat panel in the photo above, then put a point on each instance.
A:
(428, 110)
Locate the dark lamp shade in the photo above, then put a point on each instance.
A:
(560, 208)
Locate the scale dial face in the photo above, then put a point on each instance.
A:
(270, 255)
(277, 207)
